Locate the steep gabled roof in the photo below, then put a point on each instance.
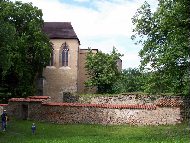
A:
(59, 30)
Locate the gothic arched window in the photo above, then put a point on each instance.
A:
(51, 62)
(64, 55)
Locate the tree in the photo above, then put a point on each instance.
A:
(24, 48)
(133, 80)
(165, 37)
(102, 70)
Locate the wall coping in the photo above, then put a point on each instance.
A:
(30, 99)
(3, 104)
(39, 97)
(25, 100)
(112, 106)
(159, 103)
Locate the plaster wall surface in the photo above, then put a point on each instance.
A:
(58, 78)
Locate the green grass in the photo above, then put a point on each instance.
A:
(19, 131)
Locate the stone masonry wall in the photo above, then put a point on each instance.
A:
(160, 112)
(2, 107)
(93, 115)
(160, 100)
(23, 108)
(186, 108)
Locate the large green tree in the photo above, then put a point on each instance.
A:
(103, 70)
(165, 36)
(132, 80)
(24, 48)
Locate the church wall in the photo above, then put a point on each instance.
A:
(83, 73)
(60, 79)
(119, 64)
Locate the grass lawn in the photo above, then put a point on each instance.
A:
(19, 131)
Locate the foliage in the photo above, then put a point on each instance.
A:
(155, 83)
(20, 132)
(127, 81)
(24, 48)
(165, 38)
(102, 70)
(133, 80)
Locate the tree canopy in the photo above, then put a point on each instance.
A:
(132, 80)
(165, 36)
(24, 48)
(103, 70)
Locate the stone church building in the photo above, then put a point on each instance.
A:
(65, 72)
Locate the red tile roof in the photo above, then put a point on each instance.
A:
(25, 100)
(30, 99)
(169, 103)
(39, 97)
(112, 106)
(3, 104)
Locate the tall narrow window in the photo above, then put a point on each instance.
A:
(64, 53)
(51, 57)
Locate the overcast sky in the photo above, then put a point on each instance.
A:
(99, 24)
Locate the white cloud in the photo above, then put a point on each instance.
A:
(130, 60)
(98, 26)
(81, 0)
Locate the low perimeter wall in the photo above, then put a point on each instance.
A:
(104, 115)
(2, 107)
(41, 109)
